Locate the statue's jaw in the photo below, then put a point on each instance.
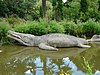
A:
(13, 35)
(17, 36)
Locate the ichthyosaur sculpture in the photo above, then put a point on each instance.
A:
(48, 41)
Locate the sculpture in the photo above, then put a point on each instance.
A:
(49, 41)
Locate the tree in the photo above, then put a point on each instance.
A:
(93, 7)
(71, 10)
(21, 8)
(44, 7)
(49, 9)
(57, 7)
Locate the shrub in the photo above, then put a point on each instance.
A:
(35, 28)
(22, 28)
(70, 28)
(55, 27)
(90, 28)
(4, 27)
(16, 20)
(40, 28)
(98, 29)
(79, 30)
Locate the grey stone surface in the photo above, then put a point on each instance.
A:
(49, 41)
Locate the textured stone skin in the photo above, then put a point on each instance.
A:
(49, 41)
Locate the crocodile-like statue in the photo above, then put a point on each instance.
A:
(95, 38)
(49, 41)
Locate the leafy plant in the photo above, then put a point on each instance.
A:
(88, 67)
(4, 27)
(54, 27)
(70, 28)
(89, 28)
(40, 28)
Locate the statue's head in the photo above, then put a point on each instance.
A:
(25, 39)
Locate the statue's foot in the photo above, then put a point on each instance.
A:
(84, 46)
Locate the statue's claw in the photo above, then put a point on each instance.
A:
(46, 47)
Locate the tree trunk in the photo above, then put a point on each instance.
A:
(44, 7)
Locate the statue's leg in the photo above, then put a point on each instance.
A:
(83, 46)
(46, 47)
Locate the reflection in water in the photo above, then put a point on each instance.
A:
(32, 61)
(78, 73)
(67, 62)
(52, 66)
(38, 62)
(39, 66)
(97, 73)
(36, 66)
(28, 72)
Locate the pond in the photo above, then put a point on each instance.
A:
(21, 60)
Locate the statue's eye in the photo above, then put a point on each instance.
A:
(26, 39)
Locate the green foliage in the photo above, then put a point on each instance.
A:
(90, 28)
(93, 6)
(89, 9)
(84, 6)
(40, 28)
(71, 10)
(88, 67)
(58, 14)
(70, 28)
(37, 28)
(98, 29)
(55, 27)
(20, 8)
(23, 28)
(34, 27)
(4, 27)
(55, 9)
(81, 29)
(49, 9)
(13, 20)
(64, 73)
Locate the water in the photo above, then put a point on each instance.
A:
(21, 60)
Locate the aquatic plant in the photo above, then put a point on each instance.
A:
(88, 67)
(64, 73)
